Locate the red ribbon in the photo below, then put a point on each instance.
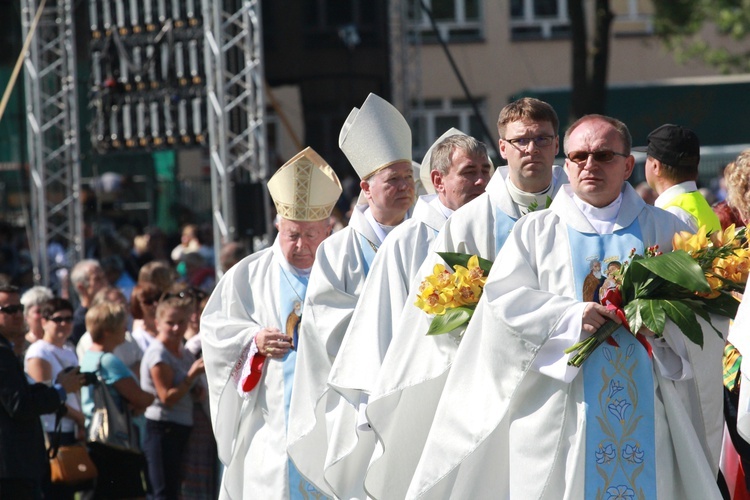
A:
(613, 301)
(256, 371)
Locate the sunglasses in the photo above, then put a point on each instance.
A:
(603, 156)
(61, 319)
(12, 309)
(191, 293)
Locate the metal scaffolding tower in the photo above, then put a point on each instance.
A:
(52, 133)
(405, 43)
(236, 106)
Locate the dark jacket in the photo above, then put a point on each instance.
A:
(22, 451)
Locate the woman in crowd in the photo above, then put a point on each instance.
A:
(169, 372)
(32, 299)
(201, 460)
(143, 304)
(105, 323)
(45, 359)
(736, 449)
(129, 352)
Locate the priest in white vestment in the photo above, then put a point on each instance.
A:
(377, 141)
(515, 421)
(405, 395)
(249, 330)
(458, 168)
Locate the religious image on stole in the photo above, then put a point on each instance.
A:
(700, 277)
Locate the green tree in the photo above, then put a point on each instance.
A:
(681, 25)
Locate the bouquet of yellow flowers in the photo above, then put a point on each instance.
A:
(697, 279)
(452, 296)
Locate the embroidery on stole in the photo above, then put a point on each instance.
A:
(292, 289)
(618, 383)
(368, 252)
(503, 225)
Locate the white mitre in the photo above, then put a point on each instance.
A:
(305, 188)
(375, 137)
(426, 168)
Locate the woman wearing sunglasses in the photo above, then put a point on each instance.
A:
(45, 359)
(143, 303)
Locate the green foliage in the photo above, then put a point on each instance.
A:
(680, 23)
(452, 319)
(461, 259)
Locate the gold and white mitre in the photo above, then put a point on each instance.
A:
(375, 137)
(305, 188)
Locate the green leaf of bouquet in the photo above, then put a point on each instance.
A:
(723, 305)
(633, 313)
(698, 308)
(452, 319)
(679, 268)
(651, 312)
(633, 275)
(462, 259)
(684, 317)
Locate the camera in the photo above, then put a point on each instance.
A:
(89, 378)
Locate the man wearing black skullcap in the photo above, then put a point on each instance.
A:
(673, 155)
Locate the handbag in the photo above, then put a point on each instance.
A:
(70, 464)
(110, 425)
(113, 445)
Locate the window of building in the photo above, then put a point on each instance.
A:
(535, 19)
(548, 19)
(436, 116)
(457, 20)
(348, 22)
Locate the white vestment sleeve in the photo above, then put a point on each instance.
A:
(551, 359)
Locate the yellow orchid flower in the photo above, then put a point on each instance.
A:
(725, 237)
(690, 243)
(433, 300)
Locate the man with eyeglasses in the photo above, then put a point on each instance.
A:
(411, 378)
(456, 169)
(638, 420)
(250, 333)
(23, 459)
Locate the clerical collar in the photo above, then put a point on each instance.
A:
(381, 230)
(524, 199)
(602, 219)
(302, 273)
(438, 205)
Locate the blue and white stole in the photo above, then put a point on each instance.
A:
(368, 252)
(292, 289)
(503, 225)
(618, 387)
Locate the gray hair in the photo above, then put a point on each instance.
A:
(36, 296)
(80, 273)
(441, 154)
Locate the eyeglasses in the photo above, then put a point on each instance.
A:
(62, 319)
(603, 156)
(524, 142)
(191, 293)
(12, 309)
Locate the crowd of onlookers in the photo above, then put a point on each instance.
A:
(140, 333)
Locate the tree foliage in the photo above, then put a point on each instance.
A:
(681, 25)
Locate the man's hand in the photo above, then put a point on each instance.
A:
(71, 380)
(272, 343)
(595, 315)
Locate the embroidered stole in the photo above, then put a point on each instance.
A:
(292, 290)
(618, 384)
